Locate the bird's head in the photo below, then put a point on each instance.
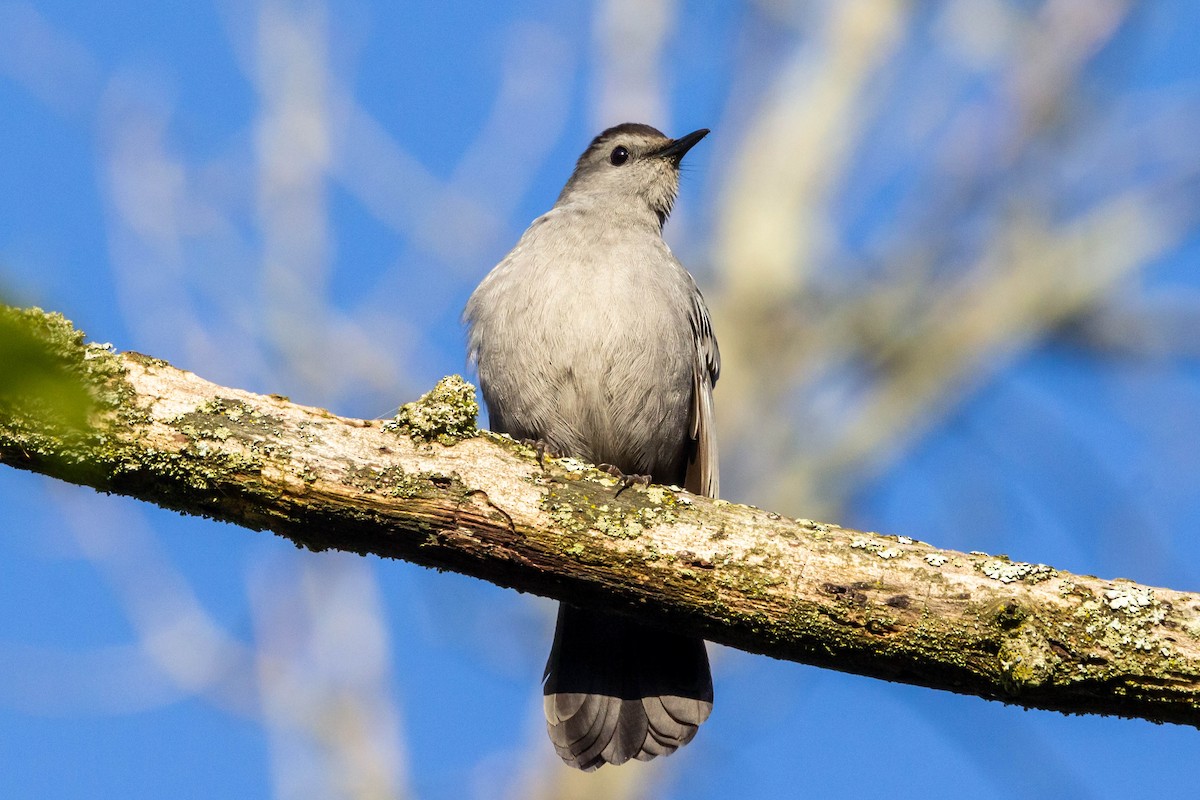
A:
(631, 166)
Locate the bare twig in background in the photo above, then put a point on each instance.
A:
(899, 349)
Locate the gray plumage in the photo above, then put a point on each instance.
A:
(592, 338)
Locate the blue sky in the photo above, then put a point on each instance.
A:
(951, 251)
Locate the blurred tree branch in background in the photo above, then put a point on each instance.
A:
(429, 489)
(962, 279)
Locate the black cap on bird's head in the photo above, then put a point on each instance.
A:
(631, 162)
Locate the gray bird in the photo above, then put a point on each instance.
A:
(591, 338)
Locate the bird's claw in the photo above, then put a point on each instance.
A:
(625, 480)
(540, 447)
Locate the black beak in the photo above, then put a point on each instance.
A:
(677, 148)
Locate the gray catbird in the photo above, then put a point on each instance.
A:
(593, 340)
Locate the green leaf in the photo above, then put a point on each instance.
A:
(38, 368)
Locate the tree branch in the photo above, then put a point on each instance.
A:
(439, 494)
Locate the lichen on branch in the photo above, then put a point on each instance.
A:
(445, 414)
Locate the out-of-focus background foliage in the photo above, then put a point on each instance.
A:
(950, 247)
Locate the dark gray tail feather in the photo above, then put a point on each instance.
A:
(615, 690)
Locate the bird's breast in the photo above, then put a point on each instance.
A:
(588, 347)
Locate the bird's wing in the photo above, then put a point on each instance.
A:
(701, 477)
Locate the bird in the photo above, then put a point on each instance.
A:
(592, 340)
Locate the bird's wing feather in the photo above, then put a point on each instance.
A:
(702, 473)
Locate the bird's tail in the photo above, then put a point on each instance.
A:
(615, 690)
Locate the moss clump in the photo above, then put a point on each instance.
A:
(445, 414)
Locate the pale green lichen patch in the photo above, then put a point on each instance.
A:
(1124, 616)
(445, 414)
(658, 495)
(223, 419)
(878, 548)
(936, 559)
(1012, 571)
(198, 467)
(394, 481)
(585, 507)
(818, 527)
(623, 523)
(1130, 599)
(576, 467)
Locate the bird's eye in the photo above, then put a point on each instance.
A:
(619, 156)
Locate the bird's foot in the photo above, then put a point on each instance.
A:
(624, 480)
(540, 446)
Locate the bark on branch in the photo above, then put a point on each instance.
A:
(438, 494)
